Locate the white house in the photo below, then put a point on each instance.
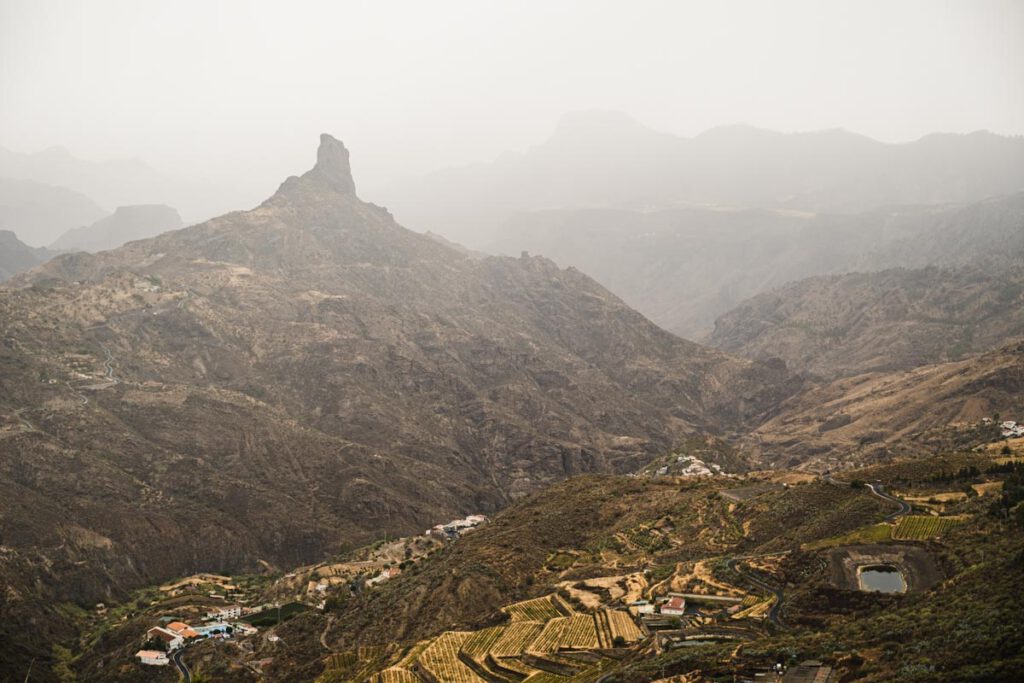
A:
(152, 657)
(225, 613)
(169, 638)
(388, 573)
(675, 607)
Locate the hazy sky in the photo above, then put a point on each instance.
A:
(241, 89)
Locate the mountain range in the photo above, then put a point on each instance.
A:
(277, 384)
(608, 160)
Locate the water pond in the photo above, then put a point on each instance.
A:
(881, 579)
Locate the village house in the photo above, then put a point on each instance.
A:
(182, 629)
(674, 607)
(225, 613)
(641, 607)
(152, 657)
(388, 573)
(169, 638)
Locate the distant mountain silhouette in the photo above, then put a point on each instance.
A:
(127, 223)
(602, 159)
(119, 182)
(38, 213)
(17, 257)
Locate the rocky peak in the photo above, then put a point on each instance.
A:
(331, 173)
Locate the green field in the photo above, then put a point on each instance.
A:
(923, 527)
(875, 533)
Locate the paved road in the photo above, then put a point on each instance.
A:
(878, 490)
(186, 675)
(905, 507)
(773, 611)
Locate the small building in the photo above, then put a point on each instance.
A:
(152, 657)
(674, 607)
(182, 629)
(388, 573)
(641, 607)
(169, 638)
(225, 613)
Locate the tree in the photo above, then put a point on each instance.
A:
(62, 664)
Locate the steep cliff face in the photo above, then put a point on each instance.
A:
(278, 383)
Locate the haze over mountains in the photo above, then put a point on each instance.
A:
(608, 160)
(276, 385)
(107, 184)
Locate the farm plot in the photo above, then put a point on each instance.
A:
(441, 659)
(482, 642)
(621, 625)
(551, 637)
(580, 633)
(395, 675)
(516, 638)
(922, 527)
(538, 609)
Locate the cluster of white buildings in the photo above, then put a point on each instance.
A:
(177, 634)
(689, 466)
(1012, 430)
(456, 527)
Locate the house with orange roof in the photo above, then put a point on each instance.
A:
(182, 629)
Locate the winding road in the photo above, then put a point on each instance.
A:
(186, 675)
(878, 490)
(905, 507)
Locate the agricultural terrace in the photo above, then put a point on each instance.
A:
(395, 675)
(551, 637)
(619, 624)
(515, 639)
(923, 527)
(482, 642)
(538, 609)
(580, 633)
(441, 659)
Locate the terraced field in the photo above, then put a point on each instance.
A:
(551, 637)
(441, 659)
(515, 638)
(538, 609)
(395, 675)
(621, 625)
(923, 527)
(580, 633)
(482, 642)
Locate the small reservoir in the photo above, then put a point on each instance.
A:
(881, 578)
